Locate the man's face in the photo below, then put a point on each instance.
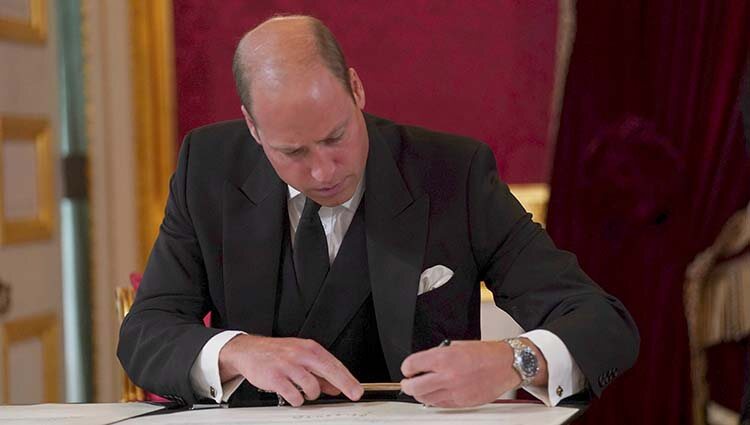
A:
(313, 133)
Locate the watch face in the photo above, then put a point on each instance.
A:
(529, 364)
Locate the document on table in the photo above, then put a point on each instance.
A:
(369, 412)
(73, 414)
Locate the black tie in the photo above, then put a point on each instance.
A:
(310, 253)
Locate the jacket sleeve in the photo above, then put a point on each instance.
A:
(163, 333)
(541, 286)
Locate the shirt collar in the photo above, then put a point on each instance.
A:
(352, 204)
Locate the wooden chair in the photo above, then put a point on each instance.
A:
(124, 296)
(717, 307)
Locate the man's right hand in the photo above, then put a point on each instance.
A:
(296, 369)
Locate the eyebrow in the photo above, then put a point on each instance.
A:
(336, 130)
(332, 134)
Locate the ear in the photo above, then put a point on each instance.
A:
(250, 124)
(358, 90)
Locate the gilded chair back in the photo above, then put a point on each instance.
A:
(124, 296)
(717, 308)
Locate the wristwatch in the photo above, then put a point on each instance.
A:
(524, 360)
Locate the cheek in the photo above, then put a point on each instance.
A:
(347, 161)
(361, 156)
(354, 158)
(292, 172)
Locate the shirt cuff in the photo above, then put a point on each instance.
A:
(565, 377)
(204, 374)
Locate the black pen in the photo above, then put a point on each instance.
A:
(445, 343)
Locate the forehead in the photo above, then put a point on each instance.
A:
(301, 108)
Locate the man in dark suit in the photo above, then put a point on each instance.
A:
(333, 247)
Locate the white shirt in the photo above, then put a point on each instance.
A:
(565, 376)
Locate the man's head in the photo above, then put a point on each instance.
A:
(302, 105)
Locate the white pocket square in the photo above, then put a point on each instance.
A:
(433, 278)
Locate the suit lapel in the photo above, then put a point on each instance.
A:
(396, 229)
(253, 231)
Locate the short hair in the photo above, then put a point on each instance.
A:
(327, 48)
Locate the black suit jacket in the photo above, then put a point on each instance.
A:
(430, 199)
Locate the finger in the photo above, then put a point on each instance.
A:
(289, 392)
(439, 398)
(327, 388)
(424, 384)
(324, 365)
(305, 381)
(423, 361)
(336, 374)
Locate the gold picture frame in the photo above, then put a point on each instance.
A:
(39, 226)
(33, 30)
(46, 328)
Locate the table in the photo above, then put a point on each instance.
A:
(386, 412)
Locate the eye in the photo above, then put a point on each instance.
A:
(332, 140)
(294, 153)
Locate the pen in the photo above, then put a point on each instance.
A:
(445, 343)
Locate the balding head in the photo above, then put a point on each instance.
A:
(303, 106)
(285, 48)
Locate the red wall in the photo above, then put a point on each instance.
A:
(483, 68)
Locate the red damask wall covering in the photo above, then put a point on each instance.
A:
(483, 68)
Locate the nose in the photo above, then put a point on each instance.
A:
(323, 168)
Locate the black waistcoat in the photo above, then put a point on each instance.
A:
(358, 345)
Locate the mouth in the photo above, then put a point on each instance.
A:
(330, 190)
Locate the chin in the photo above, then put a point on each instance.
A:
(337, 199)
(332, 202)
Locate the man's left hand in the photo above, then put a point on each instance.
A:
(464, 374)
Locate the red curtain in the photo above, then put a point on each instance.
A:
(649, 163)
(482, 68)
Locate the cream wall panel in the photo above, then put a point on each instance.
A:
(19, 190)
(29, 87)
(112, 177)
(26, 377)
(15, 9)
(28, 76)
